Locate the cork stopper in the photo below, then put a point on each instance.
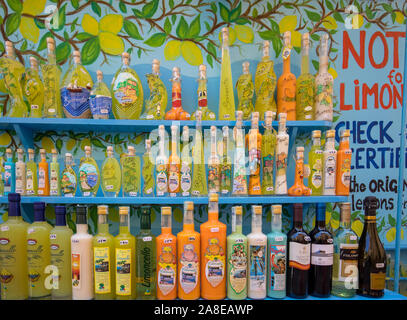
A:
(287, 38)
(161, 130)
(185, 133)
(176, 74)
(330, 134)
(147, 144)
(246, 66)
(126, 58)
(239, 116)
(213, 197)
(50, 44)
(99, 75)
(8, 150)
(68, 156)
(345, 212)
(188, 205)
(323, 50)
(109, 150)
(225, 131)
(77, 56)
(305, 40)
(131, 151)
(316, 134)
(42, 151)
(20, 151)
(277, 208)
(54, 151)
(88, 149)
(213, 131)
(156, 66)
(124, 210)
(174, 130)
(238, 210)
(198, 115)
(34, 63)
(268, 118)
(266, 48)
(202, 71)
(103, 209)
(257, 209)
(166, 211)
(345, 133)
(255, 120)
(300, 152)
(282, 117)
(225, 35)
(31, 151)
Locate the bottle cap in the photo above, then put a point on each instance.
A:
(225, 33)
(68, 155)
(125, 55)
(103, 209)
(185, 133)
(50, 42)
(305, 39)
(109, 149)
(316, 134)
(8, 150)
(238, 210)
(202, 71)
(287, 38)
(345, 205)
(371, 203)
(276, 208)
(297, 206)
(14, 209)
(176, 73)
(60, 216)
(60, 210)
(345, 211)
(266, 48)
(282, 117)
(33, 63)
(39, 211)
(257, 209)
(81, 215)
(225, 130)
(88, 149)
(20, 150)
(145, 210)
(245, 66)
(166, 211)
(99, 75)
(213, 197)
(330, 134)
(31, 151)
(124, 210)
(300, 149)
(188, 205)
(42, 151)
(54, 151)
(345, 133)
(14, 197)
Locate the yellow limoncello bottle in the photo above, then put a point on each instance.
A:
(39, 254)
(103, 257)
(13, 253)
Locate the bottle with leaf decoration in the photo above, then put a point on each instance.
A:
(130, 171)
(213, 165)
(268, 151)
(245, 92)
(148, 171)
(176, 112)
(161, 165)
(186, 164)
(203, 96)
(100, 99)
(89, 175)
(68, 177)
(34, 89)
(20, 172)
(199, 184)
(253, 142)
(239, 165)
(111, 175)
(51, 74)
(225, 165)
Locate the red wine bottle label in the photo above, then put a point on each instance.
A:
(300, 255)
(377, 281)
(322, 254)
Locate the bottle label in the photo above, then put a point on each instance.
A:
(8, 256)
(167, 269)
(254, 161)
(345, 170)
(19, 179)
(257, 267)
(88, 176)
(29, 182)
(75, 102)
(300, 255)
(330, 170)
(101, 258)
(76, 270)
(316, 173)
(324, 97)
(41, 178)
(268, 164)
(348, 262)
(145, 272)
(59, 257)
(226, 178)
(173, 178)
(277, 267)
(161, 179)
(213, 178)
(286, 52)
(322, 254)
(215, 262)
(189, 273)
(185, 179)
(68, 183)
(238, 267)
(239, 173)
(100, 105)
(123, 272)
(126, 89)
(54, 183)
(377, 281)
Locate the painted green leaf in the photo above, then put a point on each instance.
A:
(224, 12)
(66, 35)
(122, 7)
(235, 13)
(84, 36)
(97, 143)
(255, 13)
(288, 6)
(329, 5)
(63, 51)
(337, 16)
(59, 144)
(391, 220)
(12, 23)
(15, 5)
(39, 23)
(96, 8)
(173, 19)
(313, 16)
(73, 25)
(167, 26)
(268, 35)
(368, 25)
(277, 45)
(24, 45)
(137, 13)
(149, 9)
(297, 49)
(315, 63)
(1, 47)
(212, 49)
(315, 37)
(75, 3)
(156, 40)
(214, 8)
(387, 7)
(182, 28)
(195, 27)
(242, 21)
(274, 26)
(171, 4)
(269, 6)
(61, 18)
(336, 118)
(90, 51)
(138, 52)
(132, 30)
(393, 16)
(207, 26)
(369, 13)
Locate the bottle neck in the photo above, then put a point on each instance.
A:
(305, 61)
(103, 225)
(213, 144)
(330, 144)
(124, 223)
(14, 209)
(30, 157)
(316, 142)
(320, 220)
(213, 211)
(81, 228)
(20, 158)
(286, 65)
(282, 128)
(237, 223)
(297, 219)
(344, 143)
(276, 224)
(345, 219)
(60, 220)
(145, 222)
(51, 57)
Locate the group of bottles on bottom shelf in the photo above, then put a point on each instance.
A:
(38, 261)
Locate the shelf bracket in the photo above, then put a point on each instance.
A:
(25, 134)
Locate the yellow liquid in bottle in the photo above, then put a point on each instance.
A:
(226, 97)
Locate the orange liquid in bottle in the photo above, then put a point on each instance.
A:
(43, 175)
(189, 246)
(176, 112)
(213, 251)
(343, 163)
(166, 259)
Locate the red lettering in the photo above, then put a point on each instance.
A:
(369, 91)
(397, 96)
(342, 105)
(380, 35)
(357, 95)
(348, 46)
(386, 106)
(395, 35)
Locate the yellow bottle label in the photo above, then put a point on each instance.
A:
(76, 270)
(123, 273)
(101, 257)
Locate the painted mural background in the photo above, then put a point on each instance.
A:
(366, 59)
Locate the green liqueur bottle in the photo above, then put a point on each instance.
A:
(315, 159)
(148, 171)
(186, 164)
(111, 175)
(268, 149)
(237, 258)
(146, 258)
(199, 184)
(34, 89)
(31, 175)
(51, 73)
(245, 92)
(225, 165)
(131, 173)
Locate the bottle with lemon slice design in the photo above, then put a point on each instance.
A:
(203, 96)
(51, 73)
(147, 171)
(127, 91)
(34, 89)
(245, 92)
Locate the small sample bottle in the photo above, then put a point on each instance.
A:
(55, 182)
(31, 181)
(329, 162)
(315, 160)
(20, 173)
(43, 175)
(343, 164)
(9, 173)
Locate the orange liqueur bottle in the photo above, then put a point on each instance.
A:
(176, 112)
(43, 176)
(343, 163)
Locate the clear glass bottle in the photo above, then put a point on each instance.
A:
(315, 160)
(34, 89)
(51, 73)
(161, 165)
(199, 184)
(9, 173)
(245, 92)
(213, 164)
(111, 175)
(186, 164)
(329, 165)
(55, 181)
(253, 143)
(207, 114)
(20, 173)
(131, 173)
(89, 175)
(174, 165)
(148, 171)
(268, 151)
(68, 178)
(100, 99)
(225, 165)
(176, 112)
(31, 175)
(281, 155)
(239, 165)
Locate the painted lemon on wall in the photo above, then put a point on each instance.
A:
(391, 234)
(189, 51)
(5, 139)
(47, 144)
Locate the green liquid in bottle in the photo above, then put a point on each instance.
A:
(89, 175)
(111, 175)
(55, 181)
(268, 149)
(315, 160)
(31, 181)
(34, 89)
(245, 92)
(199, 183)
(148, 171)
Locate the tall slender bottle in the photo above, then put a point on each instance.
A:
(13, 253)
(75, 89)
(31, 175)
(286, 83)
(174, 165)
(34, 89)
(305, 88)
(100, 99)
(51, 73)
(225, 165)
(104, 258)
(146, 285)
(253, 142)
(39, 254)
(176, 112)
(55, 180)
(343, 164)
(277, 256)
(43, 175)
(371, 254)
(130, 171)
(161, 166)
(199, 184)
(9, 173)
(186, 164)
(189, 250)
(111, 175)
(68, 178)
(82, 258)
(239, 165)
(315, 160)
(157, 102)
(203, 96)
(345, 269)
(265, 82)
(322, 251)
(268, 151)
(60, 239)
(125, 254)
(282, 155)
(213, 164)
(89, 175)
(226, 96)
(245, 92)
(166, 244)
(213, 251)
(20, 173)
(324, 84)
(127, 91)
(147, 171)
(329, 162)
(257, 243)
(299, 257)
(299, 188)
(237, 258)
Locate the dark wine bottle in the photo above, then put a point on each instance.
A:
(322, 250)
(299, 256)
(371, 254)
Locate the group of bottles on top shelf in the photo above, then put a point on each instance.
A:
(76, 96)
(51, 262)
(183, 172)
